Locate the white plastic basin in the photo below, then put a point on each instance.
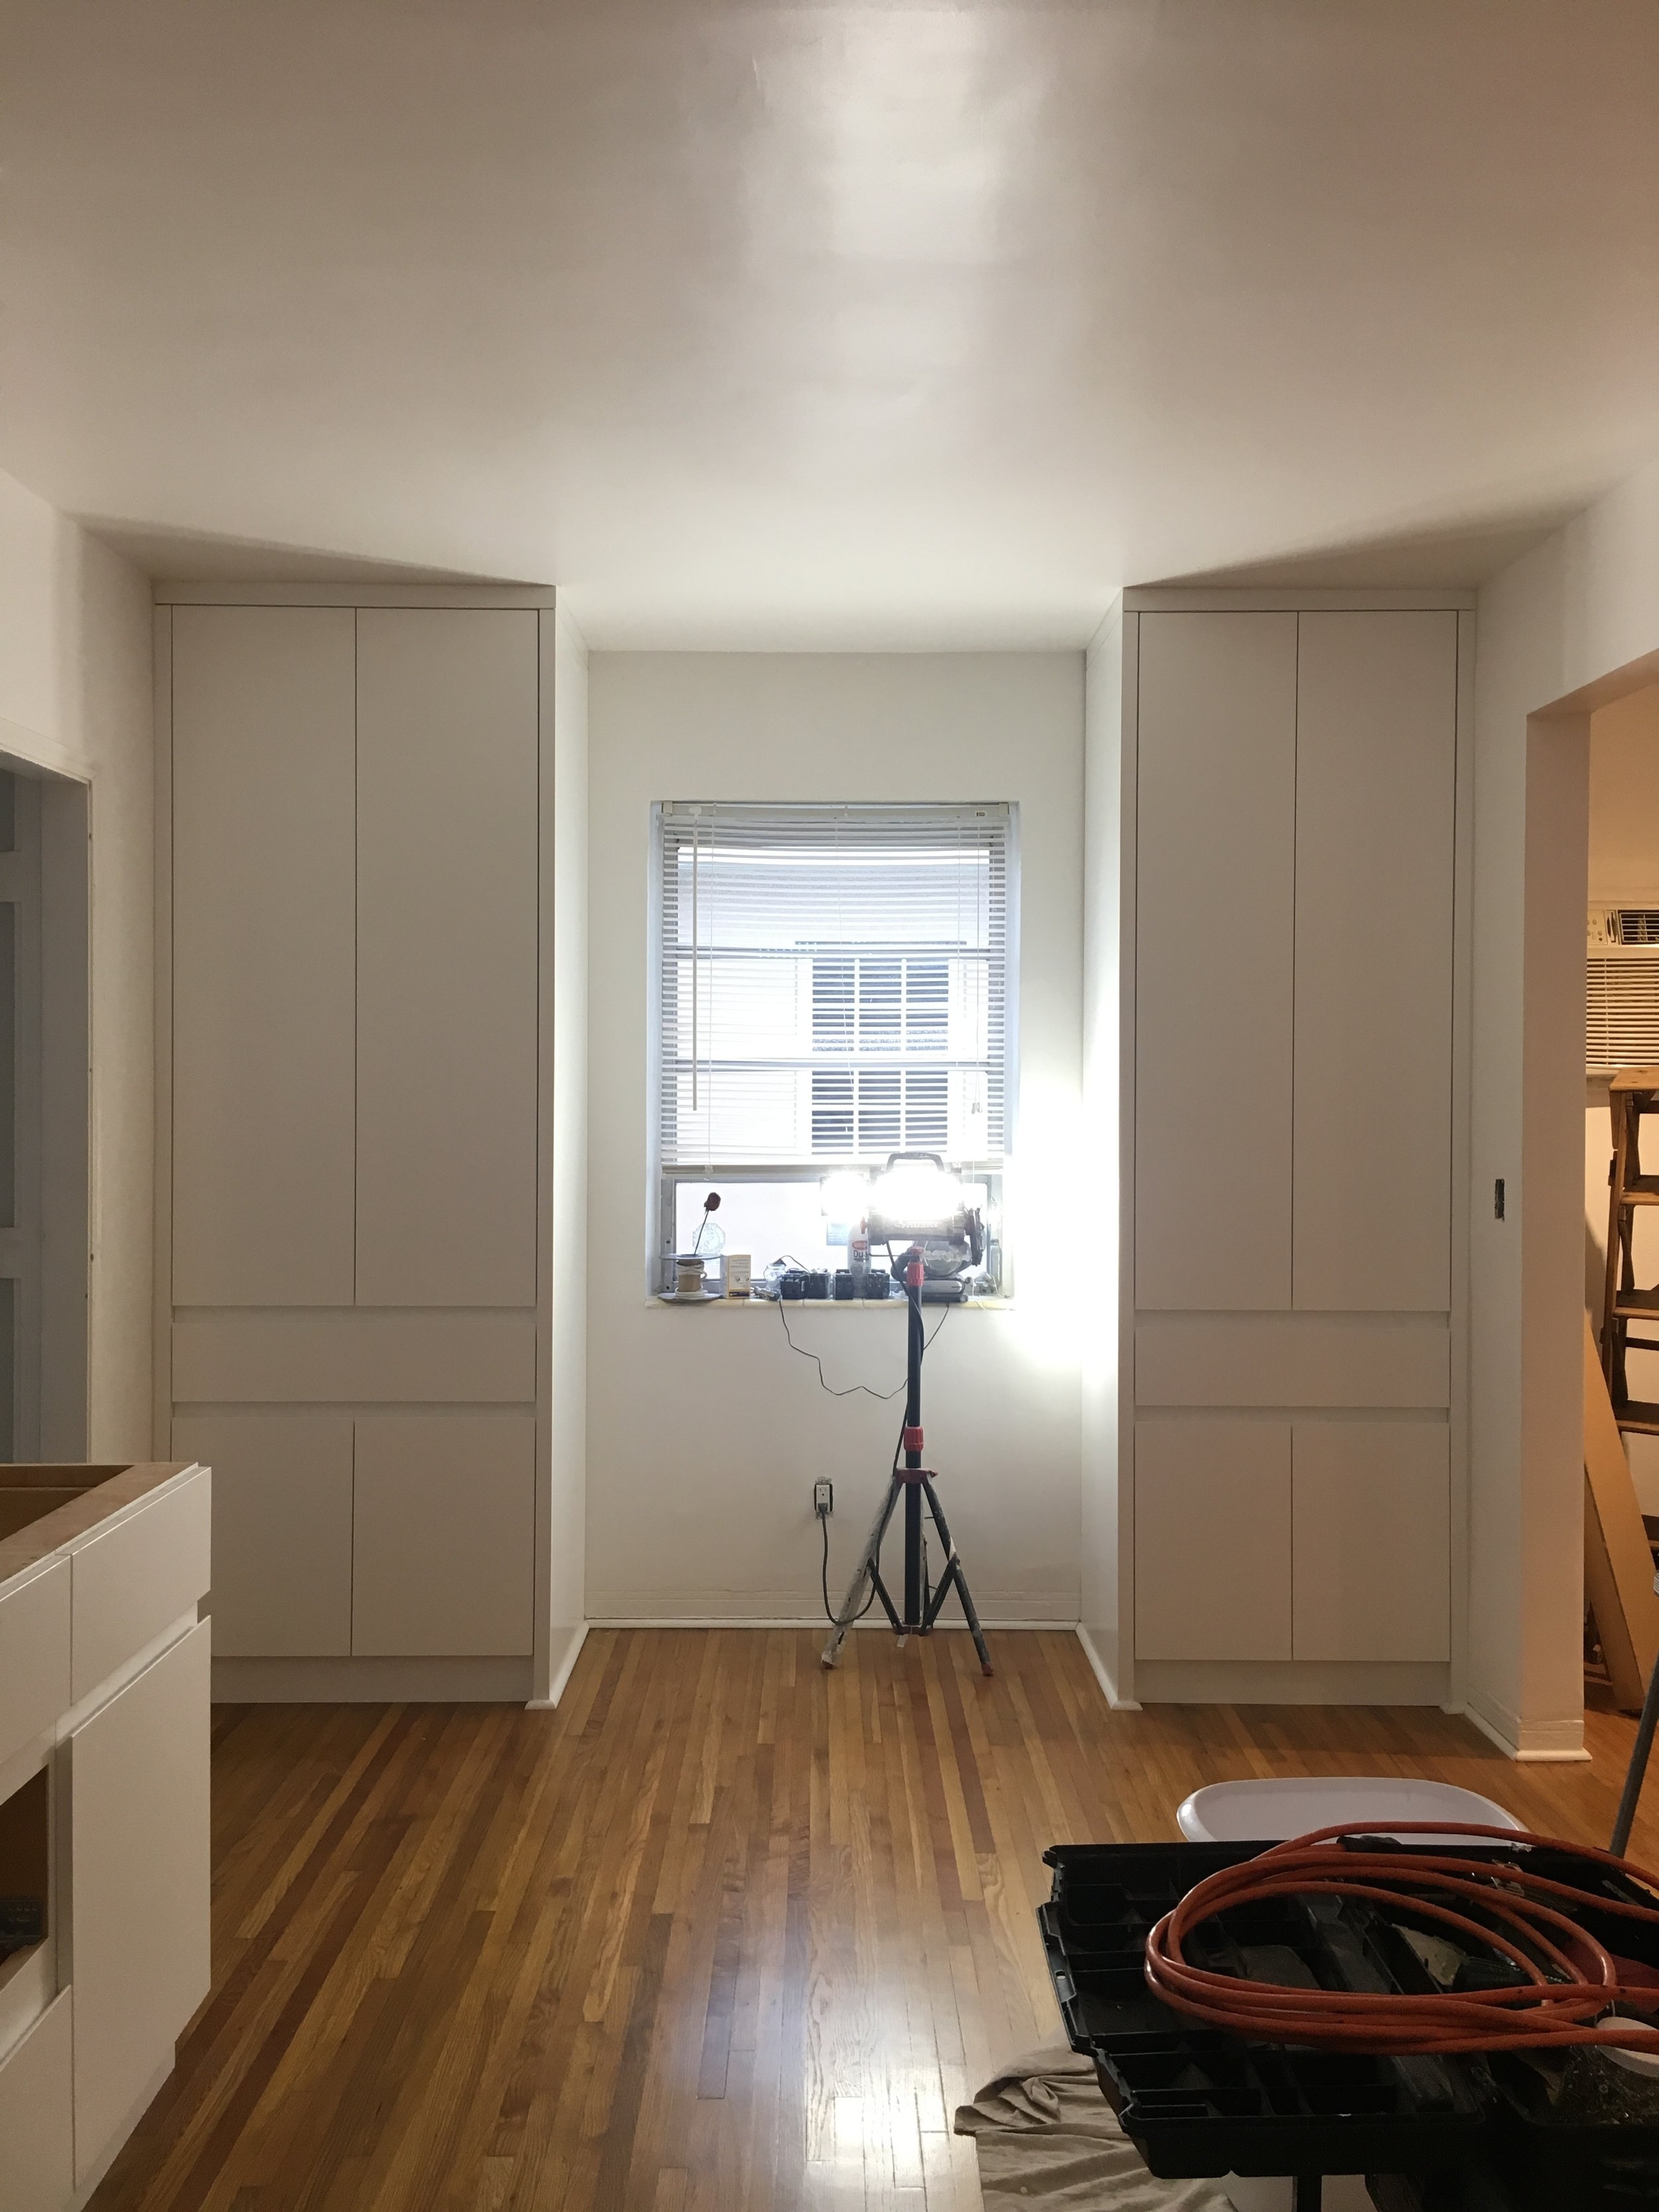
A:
(1269, 1811)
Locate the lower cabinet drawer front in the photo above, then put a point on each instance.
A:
(281, 1531)
(444, 1518)
(1212, 1538)
(139, 1884)
(1372, 1551)
(34, 1658)
(138, 1577)
(37, 2131)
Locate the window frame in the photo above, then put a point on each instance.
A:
(664, 1177)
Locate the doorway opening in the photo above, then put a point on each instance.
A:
(1622, 1178)
(45, 1104)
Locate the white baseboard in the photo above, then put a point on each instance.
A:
(1535, 1743)
(799, 1608)
(371, 1681)
(814, 1620)
(1102, 1673)
(576, 1638)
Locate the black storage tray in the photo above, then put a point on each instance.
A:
(1197, 2101)
(1548, 2163)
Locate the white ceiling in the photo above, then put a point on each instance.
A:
(828, 324)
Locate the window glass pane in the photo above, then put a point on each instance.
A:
(769, 1220)
(834, 983)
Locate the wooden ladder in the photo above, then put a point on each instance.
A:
(1631, 1093)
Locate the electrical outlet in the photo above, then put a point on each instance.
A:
(823, 1499)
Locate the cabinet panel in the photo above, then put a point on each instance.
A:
(263, 983)
(1292, 1359)
(1375, 767)
(139, 1829)
(281, 1531)
(37, 2139)
(444, 1530)
(1372, 1547)
(1215, 887)
(356, 1357)
(34, 1658)
(136, 1578)
(447, 755)
(1212, 1539)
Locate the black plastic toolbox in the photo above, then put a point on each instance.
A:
(1474, 2134)
(1196, 2101)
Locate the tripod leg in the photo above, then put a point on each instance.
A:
(865, 1570)
(1640, 1751)
(953, 1573)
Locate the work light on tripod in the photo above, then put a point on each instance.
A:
(916, 1202)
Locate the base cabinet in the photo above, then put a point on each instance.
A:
(37, 2128)
(139, 1856)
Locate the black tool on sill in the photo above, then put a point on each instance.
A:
(914, 1483)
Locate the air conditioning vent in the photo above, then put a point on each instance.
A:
(1622, 925)
(1621, 1008)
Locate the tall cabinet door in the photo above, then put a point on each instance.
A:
(1215, 943)
(264, 924)
(446, 956)
(1376, 737)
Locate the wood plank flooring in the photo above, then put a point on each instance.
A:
(722, 1931)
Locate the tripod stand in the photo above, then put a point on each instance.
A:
(914, 1485)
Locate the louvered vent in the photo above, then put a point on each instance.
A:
(1621, 1025)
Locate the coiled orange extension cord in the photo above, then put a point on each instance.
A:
(1571, 1980)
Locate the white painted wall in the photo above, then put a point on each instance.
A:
(1571, 615)
(705, 1432)
(74, 695)
(567, 1601)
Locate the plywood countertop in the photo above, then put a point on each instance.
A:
(77, 1500)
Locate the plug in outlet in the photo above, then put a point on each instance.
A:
(823, 1499)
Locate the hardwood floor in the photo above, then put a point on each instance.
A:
(723, 1931)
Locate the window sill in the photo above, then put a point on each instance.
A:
(794, 1306)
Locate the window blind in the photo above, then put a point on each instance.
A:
(834, 984)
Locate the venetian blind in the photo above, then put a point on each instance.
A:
(834, 984)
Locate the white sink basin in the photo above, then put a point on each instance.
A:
(1273, 1811)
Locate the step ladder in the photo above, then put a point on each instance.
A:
(1631, 1093)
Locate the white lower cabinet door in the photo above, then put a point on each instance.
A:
(138, 1885)
(443, 1546)
(37, 2136)
(281, 1531)
(1373, 1538)
(1212, 1539)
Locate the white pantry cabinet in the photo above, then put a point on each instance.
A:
(360, 1059)
(263, 913)
(1290, 905)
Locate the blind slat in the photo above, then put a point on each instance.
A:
(834, 983)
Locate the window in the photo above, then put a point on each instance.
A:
(834, 985)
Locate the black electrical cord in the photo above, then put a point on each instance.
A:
(852, 1389)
